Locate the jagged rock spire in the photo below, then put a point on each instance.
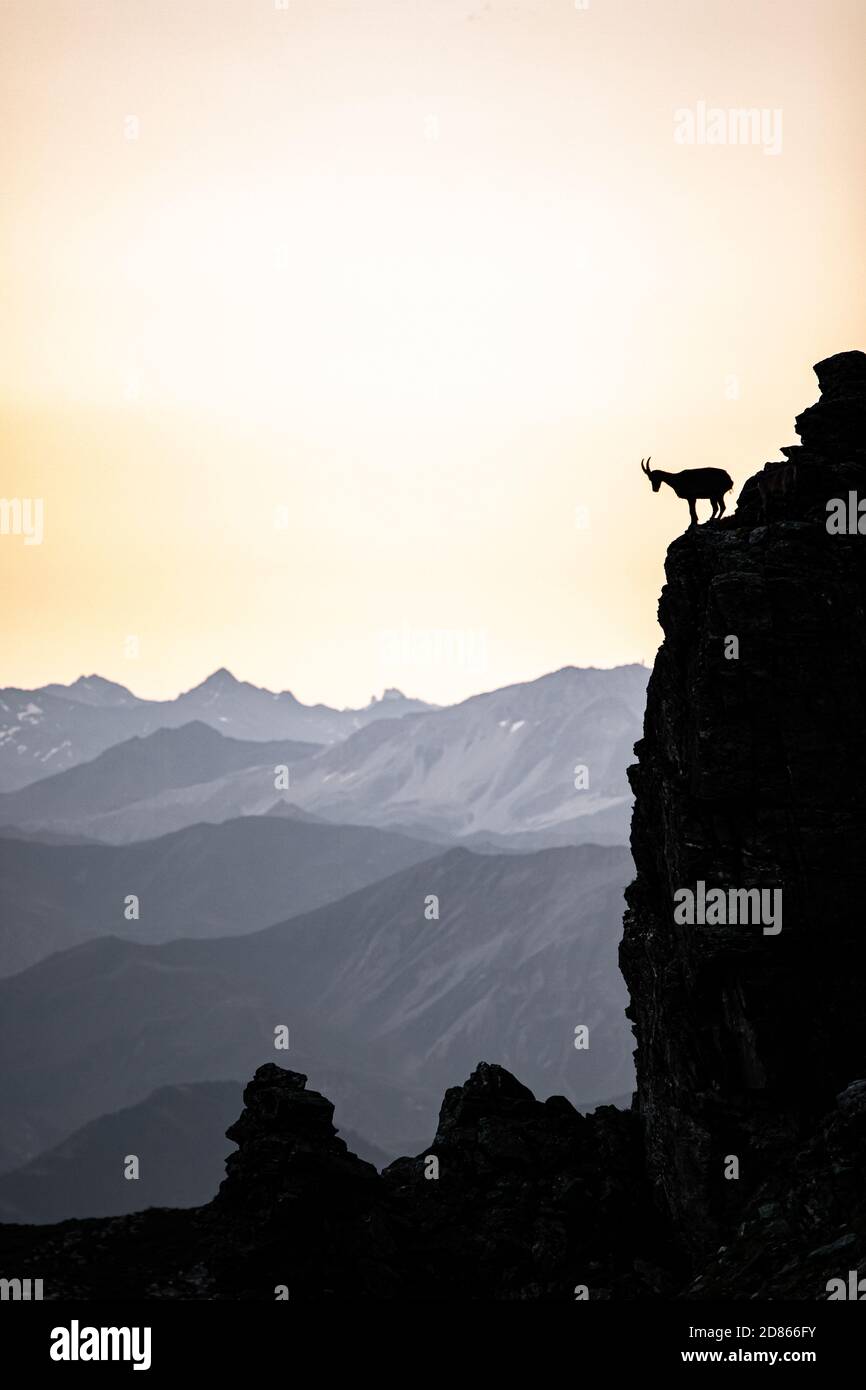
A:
(831, 459)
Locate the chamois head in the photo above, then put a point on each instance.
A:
(654, 477)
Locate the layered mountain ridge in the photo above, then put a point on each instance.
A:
(497, 765)
(57, 727)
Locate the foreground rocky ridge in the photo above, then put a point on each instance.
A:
(750, 1045)
(533, 1201)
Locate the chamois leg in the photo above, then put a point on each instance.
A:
(713, 513)
(721, 505)
(692, 512)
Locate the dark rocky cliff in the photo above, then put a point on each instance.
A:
(751, 774)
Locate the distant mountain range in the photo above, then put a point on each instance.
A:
(143, 768)
(204, 881)
(56, 727)
(385, 1004)
(544, 761)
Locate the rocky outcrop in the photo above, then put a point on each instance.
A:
(292, 1211)
(519, 1199)
(832, 452)
(752, 774)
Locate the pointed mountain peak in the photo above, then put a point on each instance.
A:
(221, 677)
(218, 682)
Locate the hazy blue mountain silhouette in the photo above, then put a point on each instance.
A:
(499, 764)
(384, 1006)
(55, 727)
(143, 767)
(208, 880)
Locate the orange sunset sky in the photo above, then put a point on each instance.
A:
(343, 319)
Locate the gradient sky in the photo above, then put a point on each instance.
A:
(321, 323)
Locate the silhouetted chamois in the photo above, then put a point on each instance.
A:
(692, 484)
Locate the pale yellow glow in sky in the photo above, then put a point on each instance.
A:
(380, 295)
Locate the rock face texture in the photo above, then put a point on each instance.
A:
(752, 774)
(804, 1226)
(740, 1170)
